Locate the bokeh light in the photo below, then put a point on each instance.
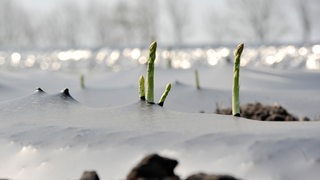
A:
(77, 60)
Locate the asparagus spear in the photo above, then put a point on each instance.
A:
(150, 73)
(141, 89)
(164, 95)
(235, 86)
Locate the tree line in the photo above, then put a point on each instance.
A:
(133, 23)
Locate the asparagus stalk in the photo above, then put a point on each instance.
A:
(150, 73)
(197, 79)
(82, 81)
(141, 89)
(235, 86)
(164, 95)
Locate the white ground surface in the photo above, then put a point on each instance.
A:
(49, 136)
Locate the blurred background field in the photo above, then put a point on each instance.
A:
(85, 36)
(180, 23)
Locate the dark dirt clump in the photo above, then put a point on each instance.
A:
(257, 111)
(154, 166)
(203, 176)
(89, 175)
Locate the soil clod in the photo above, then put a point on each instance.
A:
(203, 176)
(89, 175)
(258, 111)
(154, 166)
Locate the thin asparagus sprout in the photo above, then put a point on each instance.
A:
(141, 89)
(235, 86)
(196, 74)
(164, 95)
(150, 73)
(82, 81)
